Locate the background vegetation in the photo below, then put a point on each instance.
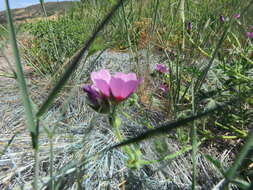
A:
(210, 65)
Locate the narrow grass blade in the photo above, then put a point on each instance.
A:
(169, 126)
(182, 16)
(233, 170)
(21, 80)
(43, 7)
(75, 61)
(205, 72)
(32, 126)
(194, 141)
(8, 144)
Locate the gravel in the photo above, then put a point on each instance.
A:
(84, 133)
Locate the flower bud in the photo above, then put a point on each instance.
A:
(222, 19)
(95, 100)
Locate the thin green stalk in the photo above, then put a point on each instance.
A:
(127, 31)
(20, 74)
(51, 162)
(194, 143)
(36, 169)
(126, 27)
(182, 15)
(2, 152)
(205, 72)
(154, 17)
(233, 170)
(32, 126)
(178, 82)
(115, 123)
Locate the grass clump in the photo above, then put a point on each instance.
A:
(53, 41)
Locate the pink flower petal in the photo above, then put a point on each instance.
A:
(103, 87)
(116, 85)
(126, 77)
(123, 87)
(101, 80)
(129, 88)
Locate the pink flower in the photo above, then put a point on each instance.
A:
(249, 35)
(118, 87)
(251, 28)
(161, 68)
(164, 88)
(237, 16)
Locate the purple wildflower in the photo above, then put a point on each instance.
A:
(164, 88)
(161, 68)
(96, 100)
(237, 16)
(222, 19)
(189, 27)
(249, 35)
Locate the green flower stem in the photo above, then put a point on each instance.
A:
(51, 162)
(115, 122)
(194, 143)
(36, 169)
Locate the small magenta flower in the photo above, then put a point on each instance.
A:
(222, 19)
(164, 88)
(107, 88)
(251, 27)
(237, 16)
(161, 68)
(249, 35)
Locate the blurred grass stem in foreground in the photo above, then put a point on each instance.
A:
(32, 126)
